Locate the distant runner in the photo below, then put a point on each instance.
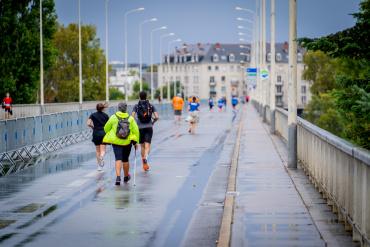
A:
(192, 97)
(247, 98)
(210, 102)
(99, 119)
(7, 102)
(193, 109)
(178, 107)
(123, 132)
(144, 111)
(242, 99)
(224, 99)
(220, 104)
(234, 101)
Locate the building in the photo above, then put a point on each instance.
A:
(218, 70)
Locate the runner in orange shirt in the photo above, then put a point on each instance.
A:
(178, 107)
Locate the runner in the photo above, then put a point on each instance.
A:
(122, 147)
(247, 98)
(220, 104)
(224, 99)
(178, 107)
(234, 101)
(7, 101)
(210, 102)
(99, 119)
(192, 97)
(242, 99)
(145, 124)
(193, 109)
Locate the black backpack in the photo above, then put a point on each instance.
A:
(123, 127)
(144, 111)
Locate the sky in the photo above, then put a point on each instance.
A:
(199, 21)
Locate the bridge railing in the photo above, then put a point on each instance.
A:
(339, 170)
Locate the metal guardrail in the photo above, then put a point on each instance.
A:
(339, 170)
(23, 138)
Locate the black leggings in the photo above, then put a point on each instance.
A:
(122, 152)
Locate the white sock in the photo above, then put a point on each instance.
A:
(146, 156)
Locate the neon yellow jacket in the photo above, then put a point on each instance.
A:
(111, 128)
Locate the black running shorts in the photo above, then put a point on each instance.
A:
(122, 152)
(177, 112)
(146, 135)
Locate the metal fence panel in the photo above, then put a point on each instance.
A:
(69, 123)
(30, 130)
(75, 122)
(37, 134)
(53, 126)
(3, 136)
(11, 128)
(64, 123)
(46, 128)
(21, 132)
(60, 124)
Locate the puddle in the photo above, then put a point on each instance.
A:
(31, 208)
(6, 223)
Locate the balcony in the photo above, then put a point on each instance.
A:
(234, 93)
(279, 93)
(212, 93)
(279, 82)
(234, 83)
(212, 83)
(279, 103)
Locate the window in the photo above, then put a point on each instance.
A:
(171, 68)
(212, 89)
(238, 68)
(196, 58)
(188, 68)
(196, 89)
(231, 57)
(211, 79)
(176, 69)
(248, 57)
(303, 89)
(164, 80)
(164, 69)
(281, 68)
(171, 79)
(278, 57)
(186, 78)
(278, 89)
(192, 68)
(278, 78)
(175, 59)
(304, 67)
(215, 58)
(223, 89)
(303, 99)
(299, 57)
(223, 68)
(196, 68)
(223, 57)
(216, 68)
(232, 68)
(268, 57)
(180, 68)
(195, 79)
(279, 99)
(209, 68)
(223, 78)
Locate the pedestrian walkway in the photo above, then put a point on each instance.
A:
(268, 209)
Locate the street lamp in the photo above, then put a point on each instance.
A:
(106, 52)
(139, 9)
(151, 60)
(160, 56)
(250, 29)
(168, 67)
(79, 52)
(244, 34)
(41, 65)
(246, 40)
(241, 19)
(141, 74)
(246, 47)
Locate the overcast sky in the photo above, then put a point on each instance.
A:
(199, 21)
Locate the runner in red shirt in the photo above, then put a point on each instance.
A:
(8, 105)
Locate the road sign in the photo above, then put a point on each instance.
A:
(264, 74)
(251, 76)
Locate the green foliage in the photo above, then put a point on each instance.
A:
(20, 47)
(321, 112)
(115, 94)
(62, 80)
(164, 90)
(155, 68)
(136, 89)
(133, 72)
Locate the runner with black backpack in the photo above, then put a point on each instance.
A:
(122, 132)
(144, 111)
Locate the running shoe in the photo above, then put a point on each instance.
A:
(189, 130)
(99, 168)
(101, 161)
(118, 181)
(126, 179)
(145, 165)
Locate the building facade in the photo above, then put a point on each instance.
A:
(219, 70)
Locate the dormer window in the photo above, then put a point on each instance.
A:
(196, 58)
(215, 58)
(231, 57)
(175, 59)
(299, 57)
(192, 58)
(248, 57)
(278, 57)
(268, 57)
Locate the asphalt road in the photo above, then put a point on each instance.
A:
(63, 201)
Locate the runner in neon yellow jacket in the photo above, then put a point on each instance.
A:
(111, 127)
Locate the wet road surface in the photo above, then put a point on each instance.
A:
(64, 201)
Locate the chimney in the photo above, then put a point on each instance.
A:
(184, 48)
(176, 49)
(198, 45)
(217, 46)
(286, 46)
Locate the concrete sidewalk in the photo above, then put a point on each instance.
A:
(268, 209)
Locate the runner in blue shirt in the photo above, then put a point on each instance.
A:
(193, 109)
(210, 102)
(220, 104)
(234, 101)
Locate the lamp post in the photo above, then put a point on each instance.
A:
(140, 67)
(264, 61)
(160, 56)
(168, 67)
(151, 61)
(272, 77)
(139, 9)
(41, 65)
(79, 52)
(244, 34)
(106, 53)
(247, 28)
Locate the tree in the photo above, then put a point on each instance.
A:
(20, 47)
(155, 68)
(136, 89)
(115, 94)
(164, 89)
(62, 80)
